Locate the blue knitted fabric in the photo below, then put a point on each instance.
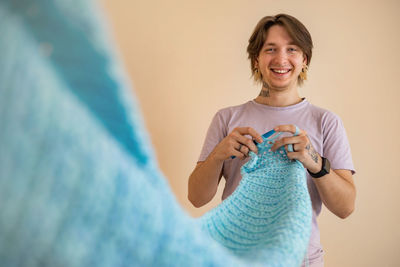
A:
(268, 217)
(79, 185)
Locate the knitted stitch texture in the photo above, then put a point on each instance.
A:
(79, 185)
(268, 217)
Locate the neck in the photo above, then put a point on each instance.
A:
(278, 98)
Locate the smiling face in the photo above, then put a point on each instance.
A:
(280, 61)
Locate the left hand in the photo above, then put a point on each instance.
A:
(303, 150)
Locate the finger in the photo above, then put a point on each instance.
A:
(238, 154)
(285, 141)
(250, 131)
(295, 147)
(293, 155)
(245, 150)
(291, 128)
(245, 141)
(291, 148)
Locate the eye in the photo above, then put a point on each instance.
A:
(291, 49)
(269, 50)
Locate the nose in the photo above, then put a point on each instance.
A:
(281, 57)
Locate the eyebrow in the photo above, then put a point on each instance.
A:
(274, 44)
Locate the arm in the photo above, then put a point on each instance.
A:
(204, 180)
(337, 192)
(336, 189)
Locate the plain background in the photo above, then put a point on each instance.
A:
(187, 59)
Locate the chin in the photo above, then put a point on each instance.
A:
(280, 86)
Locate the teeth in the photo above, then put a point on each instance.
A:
(281, 71)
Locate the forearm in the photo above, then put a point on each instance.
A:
(203, 182)
(336, 189)
(337, 192)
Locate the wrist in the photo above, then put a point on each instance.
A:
(215, 157)
(324, 170)
(316, 166)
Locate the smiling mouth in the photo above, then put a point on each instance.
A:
(280, 71)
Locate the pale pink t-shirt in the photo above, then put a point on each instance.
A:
(324, 128)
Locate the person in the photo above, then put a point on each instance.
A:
(280, 50)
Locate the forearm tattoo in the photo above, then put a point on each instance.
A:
(312, 152)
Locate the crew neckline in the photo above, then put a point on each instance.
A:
(301, 104)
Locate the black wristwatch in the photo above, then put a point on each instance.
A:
(326, 168)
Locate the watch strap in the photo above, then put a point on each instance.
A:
(326, 167)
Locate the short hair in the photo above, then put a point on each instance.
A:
(296, 30)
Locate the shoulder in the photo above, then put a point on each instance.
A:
(330, 125)
(224, 116)
(230, 111)
(323, 115)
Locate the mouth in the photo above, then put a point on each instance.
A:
(280, 71)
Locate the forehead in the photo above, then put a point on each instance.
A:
(278, 35)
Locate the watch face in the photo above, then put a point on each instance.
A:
(327, 165)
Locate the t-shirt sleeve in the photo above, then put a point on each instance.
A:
(216, 132)
(336, 146)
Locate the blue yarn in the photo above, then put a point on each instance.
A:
(89, 80)
(268, 217)
(79, 185)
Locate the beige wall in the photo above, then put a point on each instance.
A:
(187, 60)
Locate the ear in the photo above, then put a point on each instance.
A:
(304, 59)
(256, 63)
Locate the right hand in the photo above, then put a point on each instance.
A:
(236, 144)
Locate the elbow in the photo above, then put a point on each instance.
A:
(195, 201)
(196, 204)
(194, 197)
(349, 208)
(197, 198)
(199, 194)
(346, 213)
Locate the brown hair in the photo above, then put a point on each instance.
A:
(296, 30)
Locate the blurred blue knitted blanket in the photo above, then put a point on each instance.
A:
(79, 185)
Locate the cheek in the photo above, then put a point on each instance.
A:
(298, 62)
(299, 59)
(264, 59)
(264, 64)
